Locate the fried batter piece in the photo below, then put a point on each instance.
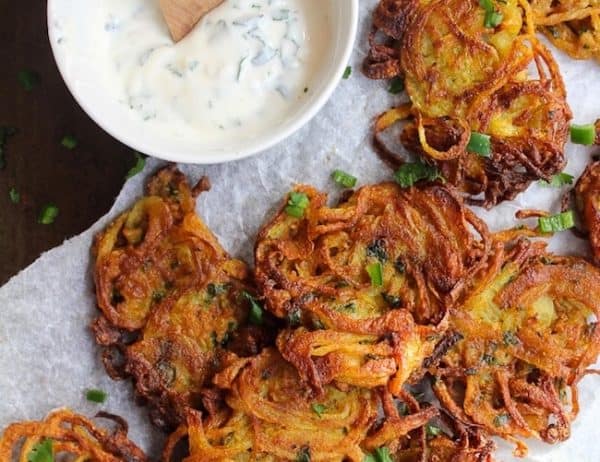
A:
(463, 77)
(527, 332)
(272, 416)
(64, 434)
(571, 25)
(172, 300)
(345, 326)
(587, 200)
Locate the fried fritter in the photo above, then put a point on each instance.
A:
(172, 300)
(273, 417)
(571, 25)
(527, 332)
(587, 199)
(65, 434)
(462, 78)
(368, 281)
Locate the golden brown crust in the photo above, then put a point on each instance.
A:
(587, 199)
(528, 333)
(274, 417)
(171, 298)
(462, 77)
(313, 271)
(70, 435)
(571, 25)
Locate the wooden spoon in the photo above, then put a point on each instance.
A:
(183, 15)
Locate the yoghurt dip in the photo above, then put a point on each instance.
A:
(240, 72)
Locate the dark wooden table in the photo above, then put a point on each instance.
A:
(82, 182)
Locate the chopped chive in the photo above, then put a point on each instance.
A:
(29, 79)
(480, 144)
(375, 271)
(557, 223)
(558, 180)
(347, 72)
(48, 214)
(297, 204)
(42, 452)
(432, 431)
(319, 409)
(396, 86)
(69, 142)
(493, 19)
(140, 163)
(487, 5)
(255, 316)
(96, 396)
(583, 134)
(383, 455)
(14, 195)
(411, 172)
(344, 179)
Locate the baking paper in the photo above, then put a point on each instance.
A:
(47, 355)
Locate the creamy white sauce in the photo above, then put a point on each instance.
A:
(240, 71)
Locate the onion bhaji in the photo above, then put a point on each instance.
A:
(587, 200)
(526, 334)
(64, 435)
(365, 285)
(173, 302)
(571, 25)
(271, 416)
(463, 77)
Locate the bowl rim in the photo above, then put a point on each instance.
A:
(250, 149)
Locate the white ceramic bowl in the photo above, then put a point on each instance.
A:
(67, 21)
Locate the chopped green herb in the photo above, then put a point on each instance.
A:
(489, 359)
(319, 409)
(383, 455)
(557, 223)
(214, 290)
(140, 163)
(48, 214)
(402, 408)
(303, 455)
(369, 458)
(492, 19)
(558, 180)
(294, 317)
(14, 195)
(305, 89)
(376, 249)
(297, 204)
(480, 144)
(375, 271)
(344, 179)
(510, 338)
(256, 311)
(29, 79)
(96, 396)
(432, 431)
(347, 72)
(41, 452)
(69, 142)
(396, 86)
(501, 420)
(5, 133)
(411, 172)
(583, 134)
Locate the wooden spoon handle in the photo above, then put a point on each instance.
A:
(183, 15)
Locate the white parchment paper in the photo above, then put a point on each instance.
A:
(47, 355)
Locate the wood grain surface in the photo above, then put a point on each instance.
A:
(82, 182)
